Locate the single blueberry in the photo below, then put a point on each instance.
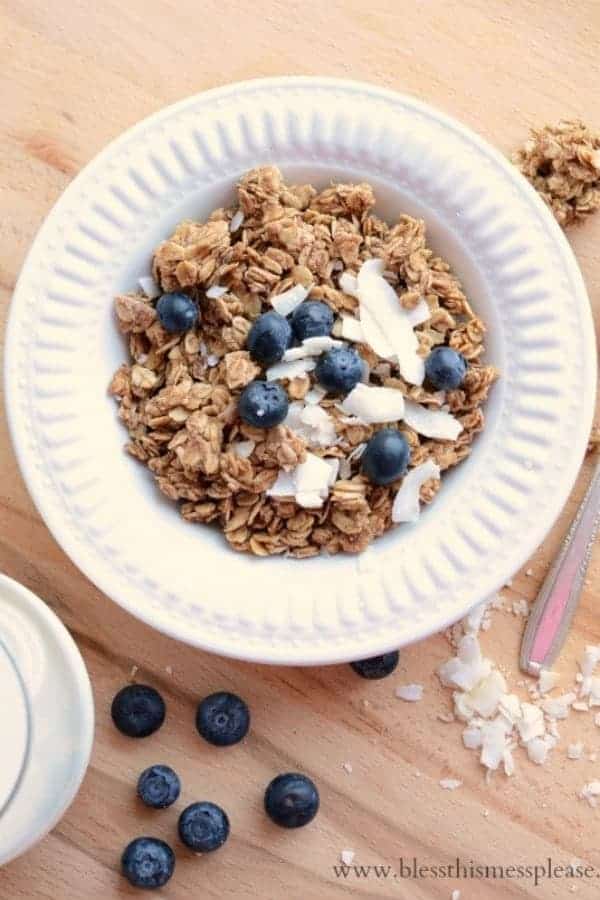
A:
(263, 404)
(223, 719)
(158, 787)
(269, 338)
(147, 862)
(312, 319)
(177, 312)
(339, 370)
(445, 368)
(386, 456)
(138, 710)
(377, 666)
(203, 827)
(292, 800)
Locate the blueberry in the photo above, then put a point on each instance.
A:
(177, 312)
(222, 719)
(377, 666)
(291, 800)
(158, 787)
(445, 368)
(147, 862)
(386, 456)
(339, 370)
(138, 710)
(269, 338)
(312, 319)
(203, 827)
(263, 404)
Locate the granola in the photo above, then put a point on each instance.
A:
(178, 395)
(563, 164)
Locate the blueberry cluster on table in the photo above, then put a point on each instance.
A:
(264, 404)
(291, 800)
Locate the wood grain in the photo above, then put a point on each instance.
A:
(74, 75)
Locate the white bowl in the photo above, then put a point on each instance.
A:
(63, 346)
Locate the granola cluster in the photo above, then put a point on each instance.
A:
(178, 394)
(563, 164)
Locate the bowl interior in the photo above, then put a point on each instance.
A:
(157, 520)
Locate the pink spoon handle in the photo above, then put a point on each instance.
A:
(558, 597)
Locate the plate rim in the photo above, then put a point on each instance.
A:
(290, 654)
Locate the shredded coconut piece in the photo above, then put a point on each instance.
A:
(286, 302)
(450, 784)
(432, 423)
(547, 681)
(386, 324)
(347, 767)
(347, 857)
(373, 404)
(537, 750)
(456, 893)
(575, 751)
(351, 329)
(290, 369)
(348, 284)
(558, 707)
(216, 291)
(312, 346)
(237, 220)
(243, 449)
(580, 706)
(591, 792)
(407, 507)
(531, 723)
(150, 287)
(412, 693)
(314, 395)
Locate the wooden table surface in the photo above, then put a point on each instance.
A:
(74, 75)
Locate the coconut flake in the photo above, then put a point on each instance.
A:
(531, 723)
(590, 660)
(493, 743)
(558, 707)
(374, 404)
(450, 784)
(591, 792)
(412, 693)
(311, 422)
(431, 423)
(291, 369)
(237, 220)
(472, 738)
(351, 330)
(309, 499)
(286, 302)
(575, 751)
(314, 395)
(537, 750)
(385, 323)
(407, 506)
(243, 449)
(312, 346)
(334, 465)
(348, 283)
(466, 669)
(284, 486)
(347, 857)
(418, 314)
(150, 287)
(216, 291)
(547, 681)
(312, 475)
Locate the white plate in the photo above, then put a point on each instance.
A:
(63, 347)
(48, 712)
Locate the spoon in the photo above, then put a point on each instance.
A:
(557, 600)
